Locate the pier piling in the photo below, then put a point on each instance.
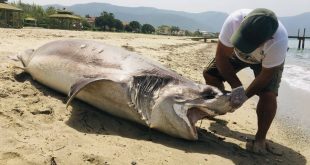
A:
(301, 39)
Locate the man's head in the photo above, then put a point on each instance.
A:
(256, 28)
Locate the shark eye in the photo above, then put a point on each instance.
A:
(179, 98)
(208, 94)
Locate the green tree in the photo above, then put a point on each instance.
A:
(118, 25)
(174, 30)
(105, 21)
(127, 28)
(135, 26)
(164, 30)
(50, 10)
(188, 33)
(85, 25)
(35, 11)
(3, 1)
(147, 29)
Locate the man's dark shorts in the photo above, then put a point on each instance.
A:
(238, 65)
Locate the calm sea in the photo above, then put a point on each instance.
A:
(294, 94)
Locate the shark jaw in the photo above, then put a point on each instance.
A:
(191, 115)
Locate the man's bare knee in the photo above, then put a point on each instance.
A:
(267, 95)
(214, 81)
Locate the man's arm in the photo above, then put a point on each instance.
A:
(260, 81)
(223, 53)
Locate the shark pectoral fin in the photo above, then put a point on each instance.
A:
(80, 85)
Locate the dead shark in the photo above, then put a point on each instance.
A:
(125, 84)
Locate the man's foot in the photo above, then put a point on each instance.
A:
(262, 148)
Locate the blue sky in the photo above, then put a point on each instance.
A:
(280, 7)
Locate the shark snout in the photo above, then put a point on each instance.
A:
(221, 104)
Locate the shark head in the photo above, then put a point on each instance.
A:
(179, 107)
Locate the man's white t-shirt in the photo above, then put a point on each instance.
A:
(270, 54)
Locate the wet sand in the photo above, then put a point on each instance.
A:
(36, 128)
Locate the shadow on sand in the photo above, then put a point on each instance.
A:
(90, 120)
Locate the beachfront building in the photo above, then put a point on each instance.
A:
(64, 19)
(164, 30)
(10, 16)
(29, 21)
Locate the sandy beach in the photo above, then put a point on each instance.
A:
(36, 127)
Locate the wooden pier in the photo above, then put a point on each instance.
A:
(301, 39)
(202, 38)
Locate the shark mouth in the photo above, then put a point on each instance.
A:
(194, 115)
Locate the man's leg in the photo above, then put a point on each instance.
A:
(213, 77)
(266, 111)
(214, 81)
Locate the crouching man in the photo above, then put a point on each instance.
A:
(258, 40)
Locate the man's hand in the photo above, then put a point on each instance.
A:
(238, 97)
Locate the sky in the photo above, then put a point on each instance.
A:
(280, 7)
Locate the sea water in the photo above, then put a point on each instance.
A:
(294, 92)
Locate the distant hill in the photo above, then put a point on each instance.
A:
(206, 21)
(299, 21)
(156, 17)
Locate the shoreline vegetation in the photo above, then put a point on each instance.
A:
(36, 128)
(34, 15)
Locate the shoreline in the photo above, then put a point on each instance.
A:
(82, 134)
(286, 124)
(293, 112)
